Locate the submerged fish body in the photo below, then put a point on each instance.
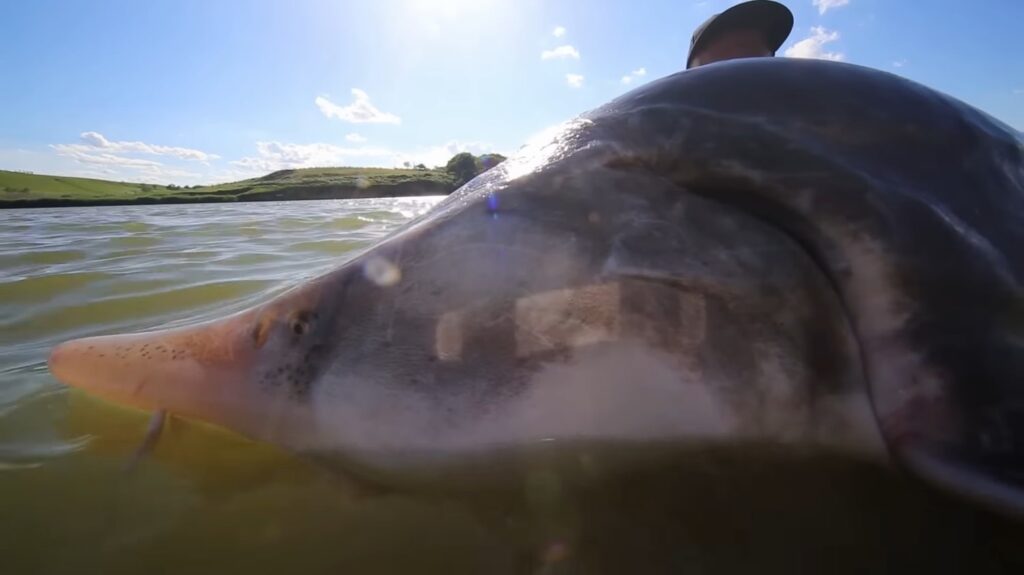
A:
(766, 251)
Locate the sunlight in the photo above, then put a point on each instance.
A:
(437, 17)
(541, 148)
(449, 8)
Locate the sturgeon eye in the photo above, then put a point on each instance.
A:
(300, 322)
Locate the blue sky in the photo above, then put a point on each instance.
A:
(199, 91)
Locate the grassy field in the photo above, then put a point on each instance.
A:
(20, 189)
(21, 186)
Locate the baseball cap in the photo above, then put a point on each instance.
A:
(772, 19)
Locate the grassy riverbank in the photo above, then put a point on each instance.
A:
(19, 189)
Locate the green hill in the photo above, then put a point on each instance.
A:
(19, 189)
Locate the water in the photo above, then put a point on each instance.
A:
(65, 273)
(207, 501)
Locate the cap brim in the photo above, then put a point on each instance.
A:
(772, 19)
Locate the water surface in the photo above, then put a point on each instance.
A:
(207, 501)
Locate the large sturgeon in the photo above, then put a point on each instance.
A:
(772, 251)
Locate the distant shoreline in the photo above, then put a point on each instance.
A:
(347, 193)
(43, 191)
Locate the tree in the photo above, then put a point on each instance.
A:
(463, 167)
(420, 167)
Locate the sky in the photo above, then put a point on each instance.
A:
(204, 91)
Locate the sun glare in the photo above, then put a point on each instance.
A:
(448, 8)
(449, 16)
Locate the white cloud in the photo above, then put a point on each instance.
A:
(355, 138)
(566, 51)
(273, 156)
(638, 73)
(88, 155)
(574, 80)
(97, 156)
(167, 175)
(558, 32)
(360, 111)
(814, 45)
(899, 63)
(439, 155)
(826, 5)
(94, 141)
(99, 163)
(88, 160)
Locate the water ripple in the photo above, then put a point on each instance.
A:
(71, 272)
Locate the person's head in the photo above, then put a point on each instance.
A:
(748, 30)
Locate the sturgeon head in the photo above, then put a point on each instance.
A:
(792, 252)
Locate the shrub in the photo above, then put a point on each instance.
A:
(463, 167)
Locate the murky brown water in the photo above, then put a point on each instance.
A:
(208, 501)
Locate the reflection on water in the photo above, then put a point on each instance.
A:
(208, 501)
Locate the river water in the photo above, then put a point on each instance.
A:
(208, 501)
